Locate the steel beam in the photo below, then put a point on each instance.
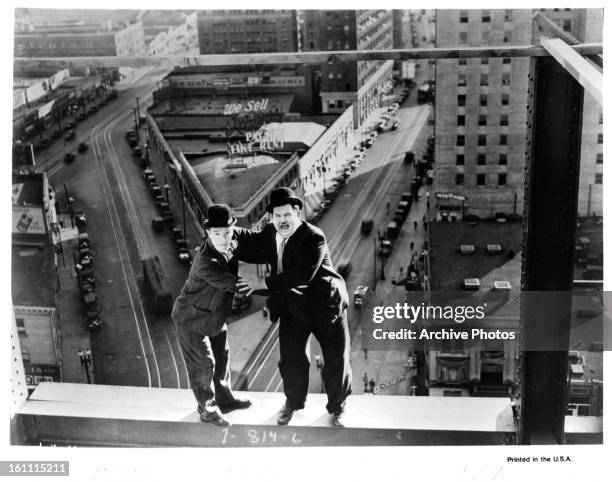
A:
(551, 200)
(584, 72)
(303, 57)
(569, 39)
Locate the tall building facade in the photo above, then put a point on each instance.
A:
(351, 83)
(247, 31)
(126, 40)
(480, 113)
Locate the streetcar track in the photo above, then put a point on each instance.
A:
(143, 246)
(95, 148)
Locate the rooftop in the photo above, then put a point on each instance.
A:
(235, 180)
(449, 268)
(29, 290)
(28, 190)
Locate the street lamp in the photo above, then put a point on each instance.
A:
(85, 361)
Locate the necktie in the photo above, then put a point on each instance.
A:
(279, 264)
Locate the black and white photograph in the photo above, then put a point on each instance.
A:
(275, 240)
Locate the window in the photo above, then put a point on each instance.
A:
(483, 100)
(599, 138)
(20, 326)
(330, 75)
(462, 62)
(482, 120)
(461, 140)
(508, 16)
(463, 16)
(505, 99)
(503, 140)
(461, 100)
(461, 80)
(503, 159)
(599, 178)
(482, 159)
(463, 37)
(25, 356)
(482, 140)
(460, 120)
(484, 79)
(507, 36)
(459, 180)
(484, 36)
(501, 179)
(486, 16)
(506, 60)
(480, 179)
(599, 158)
(567, 25)
(503, 120)
(484, 60)
(506, 78)
(460, 159)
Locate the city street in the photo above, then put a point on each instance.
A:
(136, 345)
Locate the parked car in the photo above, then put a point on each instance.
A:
(366, 226)
(359, 295)
(82, 147)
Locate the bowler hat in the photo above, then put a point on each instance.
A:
(281, 196)
(219, 216)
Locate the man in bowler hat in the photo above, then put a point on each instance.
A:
(308, 296)
(200, 312)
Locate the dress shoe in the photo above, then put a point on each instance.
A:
(339, 418)
(285, 414)
(236, 404)
(215, 418)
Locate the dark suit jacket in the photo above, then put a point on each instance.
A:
(205, 301)
(306, 262)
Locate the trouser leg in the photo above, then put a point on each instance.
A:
(335, 344)
(200, 364)
(294, 363)
(222, 374)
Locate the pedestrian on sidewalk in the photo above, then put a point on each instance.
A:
(365, 382)
(388, 206)
(416, 225)
(411, 245)
(372, 384)
(365, 352)
(401, 271)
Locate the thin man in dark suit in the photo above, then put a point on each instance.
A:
(308, 296)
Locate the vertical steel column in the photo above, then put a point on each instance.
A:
(551, 203)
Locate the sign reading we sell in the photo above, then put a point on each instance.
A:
(260, 105)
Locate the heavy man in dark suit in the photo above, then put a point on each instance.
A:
(308, 296)
(200, 312)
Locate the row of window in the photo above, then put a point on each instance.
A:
(484, 79)
(482, 120)
(482, 99)
(484, 61)
(485, 16)
(482, 159)
(482, 140)
(502, 159)
(481, 179)
(485, 37)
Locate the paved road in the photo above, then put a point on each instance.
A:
(136, 346)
